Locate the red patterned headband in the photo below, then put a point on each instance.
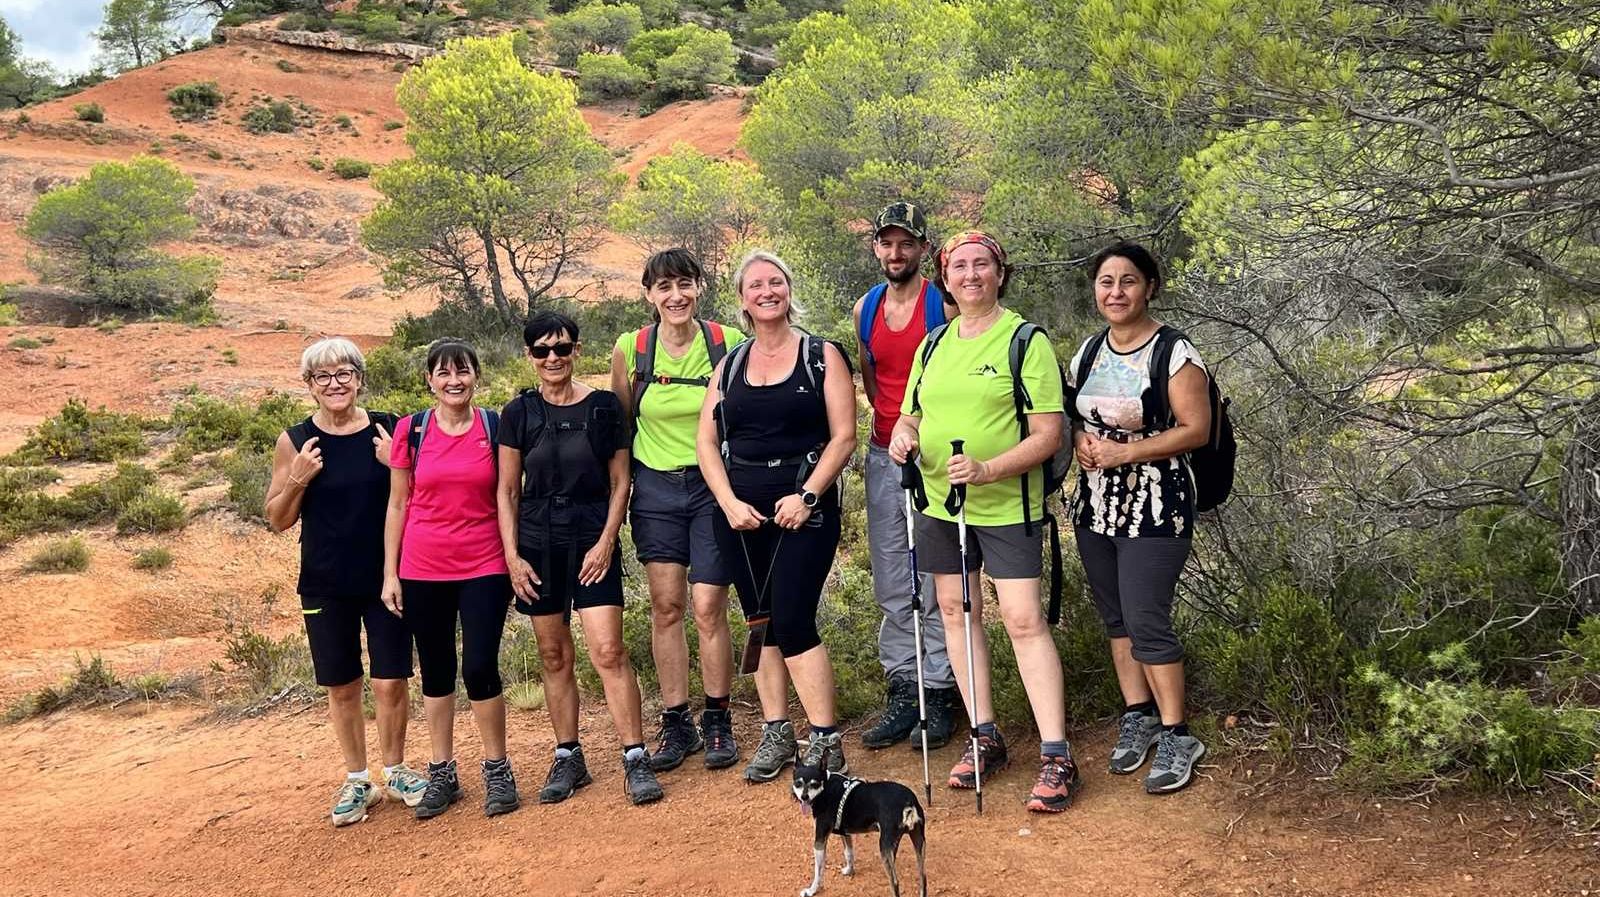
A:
(971, 236)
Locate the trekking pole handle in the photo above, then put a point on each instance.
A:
(910, 477)
(958, 447)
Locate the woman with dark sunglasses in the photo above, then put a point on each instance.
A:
(562, 497)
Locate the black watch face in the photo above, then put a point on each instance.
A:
(809, 498)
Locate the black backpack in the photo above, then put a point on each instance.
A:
(595, 426)
(813, 361)
(1212, 463)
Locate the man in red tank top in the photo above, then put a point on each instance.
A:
(891, 321)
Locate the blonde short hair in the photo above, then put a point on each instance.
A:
(761, 255)
(334, 350)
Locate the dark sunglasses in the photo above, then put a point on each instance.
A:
(562, 350)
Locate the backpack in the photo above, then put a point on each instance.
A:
(593, 425)
(419, 428)
(932, 313)
(813, 361)
(1054, 470)
(644, 359)
(1212, 463)
(300, 432)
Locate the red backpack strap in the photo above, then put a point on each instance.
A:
(644, 362)
(716, 342)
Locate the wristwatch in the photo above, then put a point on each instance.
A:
(808, 498)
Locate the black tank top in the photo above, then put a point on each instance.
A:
(780, 420)
(342, 512)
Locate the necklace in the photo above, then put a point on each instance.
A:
(777, 351)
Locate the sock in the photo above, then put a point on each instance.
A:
(772, 723)
(822, 731)
(989, 729)
(440, 767)
(565, 749)
(1144, 708)
(679, 709)
(388, 771)
(502, 763)
(717, 703)
(1055, 749)
(1177, 728)
(631, 752)
(362, 776)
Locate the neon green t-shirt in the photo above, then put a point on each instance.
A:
(665, 426)
(966, 394)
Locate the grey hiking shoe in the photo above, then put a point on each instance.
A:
(716, 727)
(499, 788)
(678, 739)
(834, 744)
(567, 775)
(778, 749)
(351, 803)
(639, 781)
(1135, 734)
(1176, 756)
(444, 789)
(900, 715)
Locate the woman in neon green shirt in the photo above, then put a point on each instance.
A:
(660, 372)
(964, 392)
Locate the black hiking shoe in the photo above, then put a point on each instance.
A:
(716, 728)
(899, 717)
(639, 781)
(499, 788)
(444, 789)
(567, 775)
(942, 703)
(677, 739)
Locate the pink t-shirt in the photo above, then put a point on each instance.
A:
(451, 530)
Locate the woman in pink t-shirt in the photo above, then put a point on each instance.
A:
(442, 561)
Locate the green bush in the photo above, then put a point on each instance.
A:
(152, 512)
(80, 434)
(285, 65)
(23, 342)
(315, 164)
(392, 125)
(152, 559)
(161, 284)
(706, 58)
(8, 312)
(194, 101)
(90, 683)
(206, 424)
(274, 117)
(269, 667)
(90, 112)
(592, 28)
(506, 10)
(607, 76)
(350, 169)
(249, 474)
(69, 555)
(109, 497)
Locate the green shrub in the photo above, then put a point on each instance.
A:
(24, 342)
(315, 164)
(350, 169)
(706, 58)
(269, 667)
(249, 474)
(274, 117)
(90, 112)
(90, 683)
(194, 101)
(152, 512)
(109, 497)
(506, 10)
(79, 434)
(69, 555)
(392, 125)
(591, 28)
(285, 65)
(607, 76)
(152, 559)
(8, 312)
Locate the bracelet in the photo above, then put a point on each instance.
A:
(302, 484)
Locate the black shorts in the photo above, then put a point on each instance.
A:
(671, 514)
(333, 628)
(558, 587)
(1004, 552)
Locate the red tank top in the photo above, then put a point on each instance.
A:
(892, 353)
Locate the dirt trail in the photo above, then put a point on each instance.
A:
(132, 803)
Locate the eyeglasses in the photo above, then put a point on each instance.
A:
(342, 377)
(562, 350)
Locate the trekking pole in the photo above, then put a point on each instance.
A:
(910, 482)
(959, 495)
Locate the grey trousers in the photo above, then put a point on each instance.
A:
(891, 581)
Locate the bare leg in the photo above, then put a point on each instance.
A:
(716, 642)
(490, 715)
(557, 654)
(390, 698)
(1130, 673)
(947, 587)
(772, 685)
(441, 715)
(349, 726)
(1166, 679)
(668, 596)
(602, 632)
(813, 681)
(1037, 661)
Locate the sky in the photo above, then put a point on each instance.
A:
(57, 31)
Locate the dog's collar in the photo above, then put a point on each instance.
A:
(838, 815)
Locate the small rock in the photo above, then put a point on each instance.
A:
(1024, 832)
(1232, 722)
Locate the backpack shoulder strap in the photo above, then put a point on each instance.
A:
(716, 341)
(300, 432)
(933, 306)
(419, 429)
(1159, 411)
(644, 362)
(1086, 357)
(928, 346)
(1020, 400)
(870, 303)
(734, 365)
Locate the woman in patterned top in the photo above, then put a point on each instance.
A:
(1134, 510)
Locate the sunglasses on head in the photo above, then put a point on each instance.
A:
(562, 350)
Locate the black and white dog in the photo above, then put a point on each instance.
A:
(847, 806)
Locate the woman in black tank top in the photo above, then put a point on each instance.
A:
(330, 472)
(786, 405)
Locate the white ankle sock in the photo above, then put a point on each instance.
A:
(362, 776)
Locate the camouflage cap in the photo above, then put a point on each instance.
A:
(904, 215)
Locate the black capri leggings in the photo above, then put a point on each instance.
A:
(430, 610)
(793, 564)
(1133, 581)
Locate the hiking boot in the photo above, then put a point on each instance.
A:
(778, 749)
(1176, 756)
(405, 785)
(1058, 783)
(942, 703)
(716, 727)
(835, 745)
(567, 775)
(444, 789)
(639, 781)
(677, 739)
(899, 717)
(991, 753)
(351, 802)
(1135, 734)
(499, 788)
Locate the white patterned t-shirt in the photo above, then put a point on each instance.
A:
(1151, 498)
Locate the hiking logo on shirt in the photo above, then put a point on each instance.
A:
(987, 370)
